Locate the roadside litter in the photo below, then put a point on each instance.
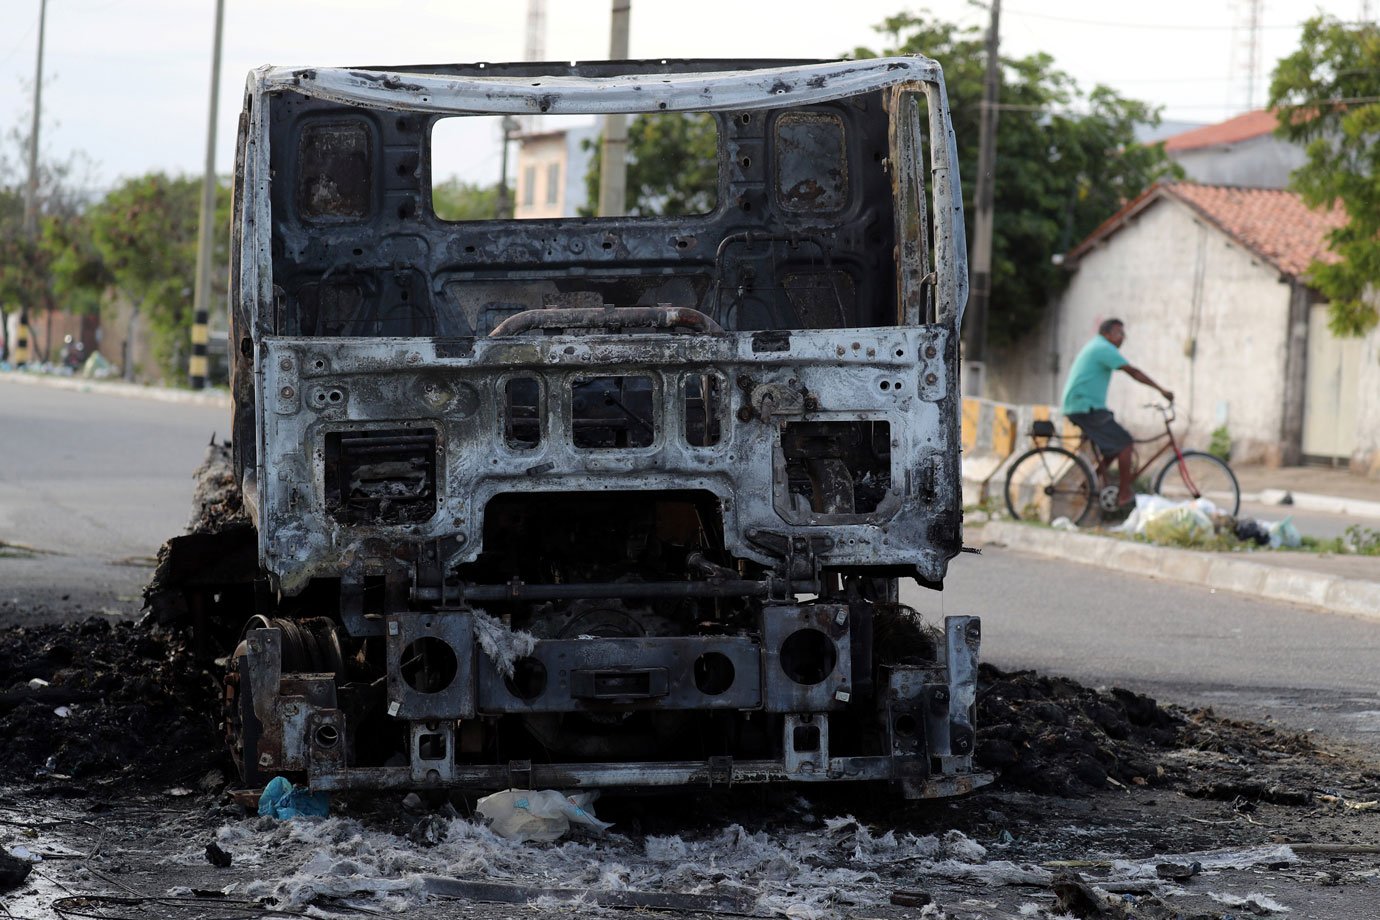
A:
(544, 816)
(1196, 522)
(281, 799)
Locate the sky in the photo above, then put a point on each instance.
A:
(126, 82)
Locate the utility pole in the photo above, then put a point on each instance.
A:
(22, 345)
(201, 299)
(503, 207)
(613, 155)
(980, 286)
(31, 191)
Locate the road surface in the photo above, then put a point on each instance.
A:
(94, 484)
(1244, 656)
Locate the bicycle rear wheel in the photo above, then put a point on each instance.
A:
(1200, 474)
(1048, 483)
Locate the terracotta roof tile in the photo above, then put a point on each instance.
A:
(1232, 131)
(1274, 224)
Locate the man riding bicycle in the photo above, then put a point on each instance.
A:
(1085, 401)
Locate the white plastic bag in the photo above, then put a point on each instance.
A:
(542, 816)
(1284, 533)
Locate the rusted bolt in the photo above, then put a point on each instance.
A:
(265, 760)
(840, 351)
(857, 345)
(287, 392)
(811, 403)
(931, 379)
(285, 363)
(745, 381)
(961, 744)
(745, 414)
(931, 351)
(872, 352)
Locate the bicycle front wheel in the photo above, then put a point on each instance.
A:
(1200, 474)
(1048, 483)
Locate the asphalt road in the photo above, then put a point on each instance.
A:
(94, 483)
(1244, 656)
(98, 482)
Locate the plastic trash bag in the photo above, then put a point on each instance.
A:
(542, 816)
(1285, 534)
(1145, 506)
(281, 799)
(1184, 525)
(1063, 523)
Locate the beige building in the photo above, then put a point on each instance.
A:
(1212, 284)
(551, 167)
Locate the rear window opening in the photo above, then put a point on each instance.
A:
(702, 409)
(522, 411)
(835, 467)
(553, 166)
(386, 476)
(612, 412)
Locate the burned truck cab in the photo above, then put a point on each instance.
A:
(601, 501)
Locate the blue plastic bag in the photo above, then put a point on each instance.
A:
(281, 799)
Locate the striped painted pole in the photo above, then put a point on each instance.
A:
(196, 367)
(21, 340)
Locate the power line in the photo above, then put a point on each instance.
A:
(1165, 26)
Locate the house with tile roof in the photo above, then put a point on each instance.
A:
(1240, 151)
(1212, 284)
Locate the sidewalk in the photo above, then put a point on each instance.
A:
(1337, 584)
(217, 398)
(1312, 488)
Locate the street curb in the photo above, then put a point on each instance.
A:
(218, 399)
(1212, 570)
(1308, 501)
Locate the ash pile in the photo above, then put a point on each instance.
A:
(100, 701)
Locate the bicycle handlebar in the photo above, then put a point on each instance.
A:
(1165, 409)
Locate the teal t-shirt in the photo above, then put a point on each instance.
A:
(1090, 376)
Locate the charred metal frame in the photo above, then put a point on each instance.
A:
(295, 393)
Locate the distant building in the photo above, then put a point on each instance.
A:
(551, 167)
(1240, 151)
(1212, 283)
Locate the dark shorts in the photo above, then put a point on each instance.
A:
(1103, 429)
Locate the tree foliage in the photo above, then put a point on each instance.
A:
(25, 263)
(145, 232)
(1058, 174)
(1328, 97)
(673, 165)
(455, 199)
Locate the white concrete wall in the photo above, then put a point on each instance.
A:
(1261, 162)
(1150, 274)
(1366, 457)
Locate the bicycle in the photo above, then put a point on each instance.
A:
(1050, 481)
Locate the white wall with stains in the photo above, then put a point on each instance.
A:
(1204, 317)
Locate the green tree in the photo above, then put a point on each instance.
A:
(1327, 94)
(673, 165)
(1059, 174)
(78, 273)
(25, 276)
(145, 231)
(455, 199)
